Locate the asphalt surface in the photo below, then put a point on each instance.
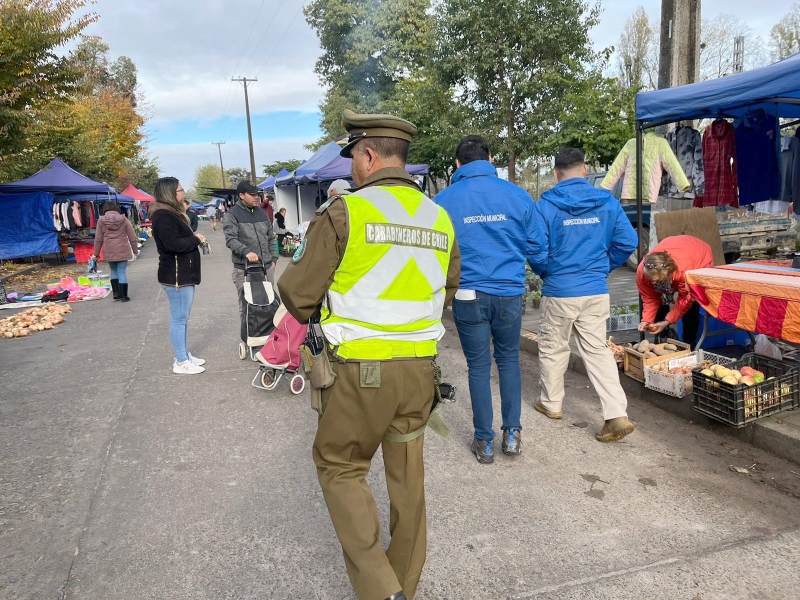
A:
(121, 480)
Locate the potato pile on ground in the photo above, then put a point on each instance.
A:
(33, 320)
(651, 350)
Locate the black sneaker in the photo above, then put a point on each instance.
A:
(482, 449)
(512, 441)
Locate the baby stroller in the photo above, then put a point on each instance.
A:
(281, 354)
(260, 304)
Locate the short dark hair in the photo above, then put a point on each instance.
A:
(386, 147)
(110, 207)
(569, 158)
(471, 148)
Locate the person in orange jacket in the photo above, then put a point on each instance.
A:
(662, 284)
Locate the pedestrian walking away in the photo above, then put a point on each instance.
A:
(117, 240)
(585, 235)
(211, 213)
(496, 232)
(249, 235)
(378, 266)
(178, 267)
(661, 277)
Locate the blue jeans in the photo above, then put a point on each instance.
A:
(119, 270)
(480, 322)
(180, 305)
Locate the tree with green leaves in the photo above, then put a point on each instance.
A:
(785, 36)
(276, 167)
(32, 71)
(141, 170)
(237, 174)
(367, 47)
(515, 64)
(205, 176)
(599, 117)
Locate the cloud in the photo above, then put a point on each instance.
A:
(181, 160)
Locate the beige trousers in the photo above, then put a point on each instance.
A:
(586, 317)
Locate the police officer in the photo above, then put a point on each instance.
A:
(379, 264)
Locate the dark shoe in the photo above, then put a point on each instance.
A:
(547, 413)
(512, 441)
(115, 288)
(615, 429)
(482, 449)
(123, 292)
(397, 596)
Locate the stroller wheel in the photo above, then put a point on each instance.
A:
(298, 384)
(269, 378)
(242, 351)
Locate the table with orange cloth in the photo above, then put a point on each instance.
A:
(759, 296)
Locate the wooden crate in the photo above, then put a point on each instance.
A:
(635, 362)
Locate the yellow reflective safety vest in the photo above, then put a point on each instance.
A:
(388, 293)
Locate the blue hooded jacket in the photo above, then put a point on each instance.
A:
(495, 229)
(586, 235)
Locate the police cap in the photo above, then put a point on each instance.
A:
(362, 126)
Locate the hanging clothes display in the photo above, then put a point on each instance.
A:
(687, 144)
(657, 156)
(720, 166)
(757, 144)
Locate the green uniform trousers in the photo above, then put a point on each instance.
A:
(352, 427)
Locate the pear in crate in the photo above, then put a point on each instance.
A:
(707, 372)
(736, 374)
(722, 373)
(730, 379)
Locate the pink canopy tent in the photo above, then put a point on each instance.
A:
(137, 194)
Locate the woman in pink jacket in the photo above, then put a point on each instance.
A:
(117, 240)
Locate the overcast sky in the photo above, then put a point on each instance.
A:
(186, 52)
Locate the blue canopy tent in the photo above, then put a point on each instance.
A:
(57, 178)
(775, 89)
(26, 225)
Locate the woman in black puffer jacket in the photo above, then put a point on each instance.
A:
(178, 266)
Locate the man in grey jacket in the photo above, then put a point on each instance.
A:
(249, 235)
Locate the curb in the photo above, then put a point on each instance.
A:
(767, 434)
(5, 278)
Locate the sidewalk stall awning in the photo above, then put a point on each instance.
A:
(58, 178)
(26, 225)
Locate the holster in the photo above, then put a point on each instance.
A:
(319, 372)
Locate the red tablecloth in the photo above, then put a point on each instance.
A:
(761, 297)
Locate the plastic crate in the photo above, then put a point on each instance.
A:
(738, 405)
(622, 322)
(83, 251)
(678, 385)
(734, 338)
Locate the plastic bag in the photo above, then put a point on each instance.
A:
(767, 348)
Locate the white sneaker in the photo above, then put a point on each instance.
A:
(186, 368)
(196, 361)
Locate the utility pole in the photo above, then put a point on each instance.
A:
(221, 168)
(244, 80)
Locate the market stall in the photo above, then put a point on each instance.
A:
(74, 204)
(746, 163)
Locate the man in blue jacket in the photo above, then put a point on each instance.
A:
(586, 235)
(495, 229)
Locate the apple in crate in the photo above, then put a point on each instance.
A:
(758, 376)
(747, 380)
(747, 371)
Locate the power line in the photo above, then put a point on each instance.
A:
(280, 40)
(264, 35)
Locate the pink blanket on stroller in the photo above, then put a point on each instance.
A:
(282, 349)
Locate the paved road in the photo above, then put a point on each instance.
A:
(121, 480)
